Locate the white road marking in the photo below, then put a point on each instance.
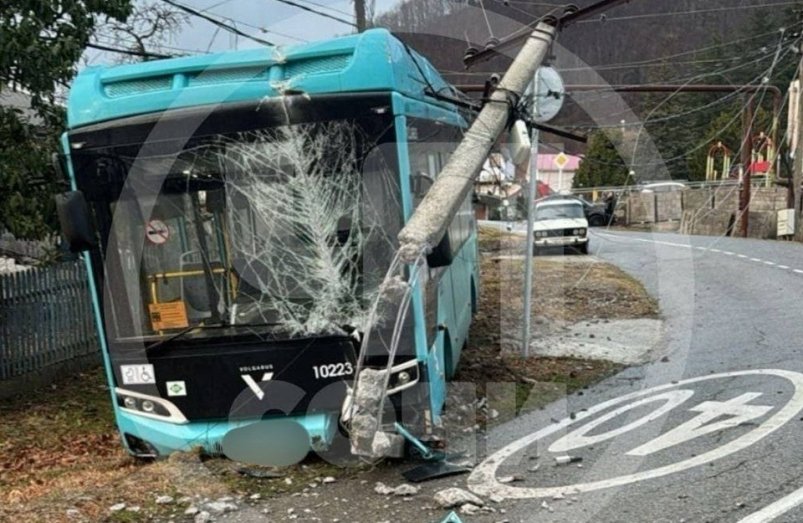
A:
(738, 411)
(578, 438)
(717, 251)
(483, 478)
(777, 509)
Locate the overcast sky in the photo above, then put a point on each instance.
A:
(268, 19)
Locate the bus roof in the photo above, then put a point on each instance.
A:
(371, 61)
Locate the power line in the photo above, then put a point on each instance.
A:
(603, 18)
(315, 11)
(324, 6)
(106, 39)
(260, 28)
(130, 52)
(217, 22)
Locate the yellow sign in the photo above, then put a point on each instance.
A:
(169, 315)
(561, 160)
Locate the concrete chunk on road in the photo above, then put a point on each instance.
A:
(456, 497)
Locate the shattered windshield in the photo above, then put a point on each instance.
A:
(284, 227)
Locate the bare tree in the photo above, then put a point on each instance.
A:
(149, 27)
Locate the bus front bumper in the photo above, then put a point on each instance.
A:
(151, 438)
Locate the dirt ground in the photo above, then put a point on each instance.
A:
(61, 459)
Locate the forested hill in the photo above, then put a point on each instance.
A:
(641, 31)
(645, 41)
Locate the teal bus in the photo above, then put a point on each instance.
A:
(237, 214)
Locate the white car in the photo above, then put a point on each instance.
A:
(561, 223)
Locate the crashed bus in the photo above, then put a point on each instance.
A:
(238, 216)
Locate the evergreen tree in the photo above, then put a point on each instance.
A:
(602, 165)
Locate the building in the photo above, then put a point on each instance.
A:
(560, 181)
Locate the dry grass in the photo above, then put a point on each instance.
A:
(566, 290)
(59, 449)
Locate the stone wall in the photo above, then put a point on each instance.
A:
(641, 208)
(668, 206)
(705, 211)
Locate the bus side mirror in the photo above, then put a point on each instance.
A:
(76, 224)
(441, 255)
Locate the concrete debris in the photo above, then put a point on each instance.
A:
(406, 489)
(117, 508)
(164, 500)
(203, 517)
(469, 509)
(134, 508)
(565, 460)
(402, 490)
(369, 392)
(221, 507)
(456, 497)
(328, 479)
(255, 496)
(191, 511)
(73, 513)
(496, 498)
(382, 489)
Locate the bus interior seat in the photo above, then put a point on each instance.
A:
(193, 288)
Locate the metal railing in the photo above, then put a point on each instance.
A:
(45, 319)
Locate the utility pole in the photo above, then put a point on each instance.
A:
(797, 174)
(532, 170)
(747, 160)
(428, 224)
(359, 15)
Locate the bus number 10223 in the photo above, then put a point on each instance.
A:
(333, 370)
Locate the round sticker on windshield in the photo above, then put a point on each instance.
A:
(157, 232)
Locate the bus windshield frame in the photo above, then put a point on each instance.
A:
(158, 181)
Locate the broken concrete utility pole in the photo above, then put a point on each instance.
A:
(428, 224)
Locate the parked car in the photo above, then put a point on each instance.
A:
(560, 222)
(597, 214)
(661, 187)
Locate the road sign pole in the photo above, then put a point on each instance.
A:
(532, 170)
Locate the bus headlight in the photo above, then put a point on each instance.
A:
(130, 403)
(148, 406)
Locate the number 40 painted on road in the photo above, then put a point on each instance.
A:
(735, 412)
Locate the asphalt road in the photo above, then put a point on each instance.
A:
(710, 432)
(722, 448)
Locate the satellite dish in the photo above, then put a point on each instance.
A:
(549, 94)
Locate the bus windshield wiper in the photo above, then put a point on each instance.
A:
(181, 333)
(155, 345)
